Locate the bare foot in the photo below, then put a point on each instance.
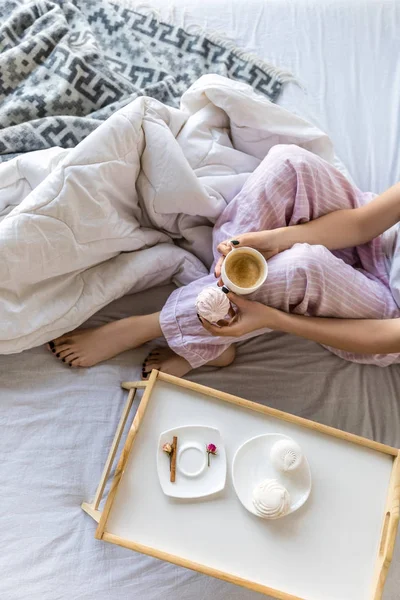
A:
(87, 347)
(167, 361)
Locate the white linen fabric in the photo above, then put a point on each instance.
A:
(57, 423)
(57, 426)
(343, 52)
(91, 223)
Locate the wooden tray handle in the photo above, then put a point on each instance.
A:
(389, 531)
(92, 508)
(389, 536)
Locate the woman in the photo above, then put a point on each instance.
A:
(331, 252)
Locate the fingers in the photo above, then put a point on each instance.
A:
(251, 239)
(224, 247)
(239, 301)
(230, 330)
(231, 312)
(255, 239)
(231, 321)
(217, 270)
(213, 329)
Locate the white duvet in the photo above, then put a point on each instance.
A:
(132, 206)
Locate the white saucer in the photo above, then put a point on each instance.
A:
(252, 463)
(194, 479)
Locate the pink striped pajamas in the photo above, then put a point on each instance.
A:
(291, 186)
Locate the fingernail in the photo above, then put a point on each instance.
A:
(199, 318)
(53, 350)
(235, 242)
(69, 364)
(225, 289)
(51, 344)
(58, 355)
(63, 359)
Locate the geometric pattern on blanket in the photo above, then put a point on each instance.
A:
(67, 66)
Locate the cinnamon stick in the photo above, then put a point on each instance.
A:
(173, 458)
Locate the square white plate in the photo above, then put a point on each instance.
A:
(194, 478)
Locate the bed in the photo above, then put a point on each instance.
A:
(57, 424)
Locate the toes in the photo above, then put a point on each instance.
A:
(148, 365)
(152, 361)
(63, 352)
(74, 361)
(73, 356)
(146, 370)
(67, 358)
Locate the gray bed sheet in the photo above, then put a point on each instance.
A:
(56, 428)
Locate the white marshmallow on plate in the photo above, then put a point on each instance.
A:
(271, 499)
(286, 455)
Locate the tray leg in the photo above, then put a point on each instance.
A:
(92, 512)
(91, 508)
(128, 385)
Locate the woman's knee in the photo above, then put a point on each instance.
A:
(292, 155)
(308, 274)
(301, 267)
(307, 256)
(305, 259)
(294, 273)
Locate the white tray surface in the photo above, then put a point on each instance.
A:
(327, 549)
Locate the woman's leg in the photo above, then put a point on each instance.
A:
(290, 186)
(167, 361)
(307, 280)
(87, 347)
(293, 186)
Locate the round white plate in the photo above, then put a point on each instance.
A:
(252, 463)
(194, 478)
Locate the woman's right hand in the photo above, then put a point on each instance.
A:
(250, 316)
(263, 241)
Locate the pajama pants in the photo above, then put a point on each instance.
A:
(291, 186)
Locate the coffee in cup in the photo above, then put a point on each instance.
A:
(244, 270)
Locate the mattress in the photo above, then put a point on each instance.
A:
(57, 423)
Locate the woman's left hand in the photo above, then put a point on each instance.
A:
(250, 316)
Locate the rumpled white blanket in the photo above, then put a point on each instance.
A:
(132, 206)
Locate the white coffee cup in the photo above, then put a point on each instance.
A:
(243, 291)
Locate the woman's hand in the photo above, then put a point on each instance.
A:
(263, 241)
(250, 316)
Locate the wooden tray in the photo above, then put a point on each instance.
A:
(338, 546)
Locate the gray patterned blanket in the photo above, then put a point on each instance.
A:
(67, 66)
